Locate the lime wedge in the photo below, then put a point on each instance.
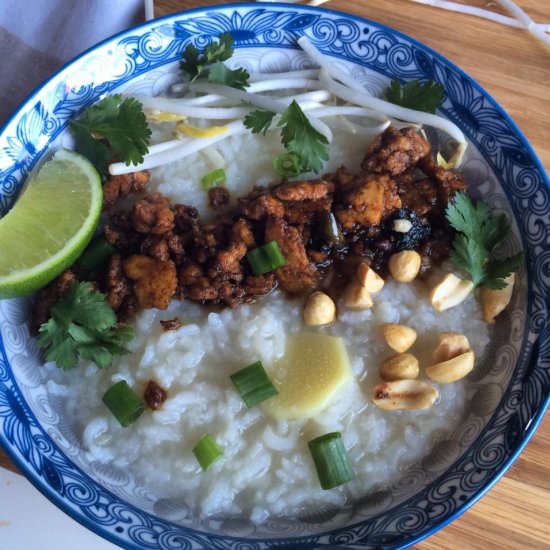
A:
(50, 224)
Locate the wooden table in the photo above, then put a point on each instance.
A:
(515, 69)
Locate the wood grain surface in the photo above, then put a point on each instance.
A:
(514, 68)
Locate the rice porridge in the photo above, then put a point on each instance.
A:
(266, 468)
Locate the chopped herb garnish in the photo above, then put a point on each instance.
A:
(82, 326)
(425, 97)
(112, 127)
(298, 136)
(214, 179)
(253, 384)
(259, 121)
(479, 233)
(331, 460)
(96, 254)
(210, 63)
(287, 165)
(235, 78)
(123, 403)
(266, 258)
(207, 451)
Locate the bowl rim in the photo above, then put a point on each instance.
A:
(74, 512)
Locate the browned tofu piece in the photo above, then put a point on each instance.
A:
(260, 204)
(395, 151)
(117, 187)
(367, 200)
(299, 274)
(306, 190)
(154, 280)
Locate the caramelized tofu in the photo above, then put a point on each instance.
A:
(118, 285)
(242, 231)
(154, 395)
(154, 280)
(307, 211)
(152, 214)
(227, 262)
(261, 204)
(311, 190)
(395, 151)
(218, 197)
(367, 200)
(299, 274)
(118, 187)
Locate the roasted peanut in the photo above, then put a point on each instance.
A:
(402, 366)
(404, 394)
(452, 370)
(449, 292)
(356, 296)
(494, 302)
(402, 226)
(398, 337)
(368, 278)
(404, 266)
(319, 309)
(450, 345)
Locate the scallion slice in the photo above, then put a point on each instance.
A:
(207, 451)
(125, 405)
(331, 460)
(214, 179)
(287, 165)
(253, 384)
(266, 258)
(96, 253)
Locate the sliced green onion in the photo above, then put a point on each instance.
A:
(96, 253)
(331, 460)
(331, 228)
(253, 384)
(287, 165)
(214, 179)
(266, 258)
(207, 451)
(125, 405)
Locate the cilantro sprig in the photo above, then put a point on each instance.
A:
(210, 63)
(478, 235)
(298, 136)
(112, 127)
(82, 326)
(425, 97)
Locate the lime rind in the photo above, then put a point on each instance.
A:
(50, 225)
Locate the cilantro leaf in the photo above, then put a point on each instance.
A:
(220, 74)
(300, 137)
(219, 51)
(82, 325)
(425, 97)
(210, 63)
(479, 234)
(468, 255)
(112, 126)
(93, 149)
(191, 62)
(259, 121)
(497, 271)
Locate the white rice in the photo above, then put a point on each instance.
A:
(266, 469)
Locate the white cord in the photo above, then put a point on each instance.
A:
(149, 9)
(525, 20)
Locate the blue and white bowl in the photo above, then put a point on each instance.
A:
(510, 389)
